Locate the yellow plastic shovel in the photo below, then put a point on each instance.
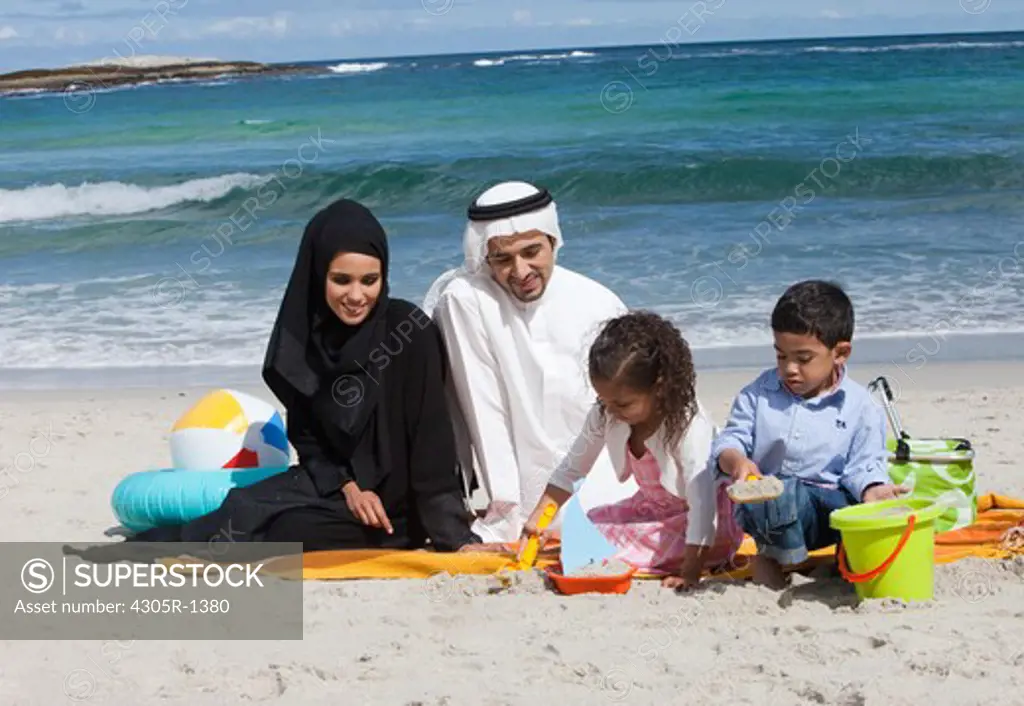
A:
(529, 555)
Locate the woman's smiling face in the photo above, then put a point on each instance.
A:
(353, 286)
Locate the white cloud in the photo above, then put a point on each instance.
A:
(522, 17)
(340, 29)
(250, 26)
(352, 26)
(581, 22)
(68, 35)
(832, 15)
(7, 32)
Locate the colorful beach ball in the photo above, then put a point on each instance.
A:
(229, 429)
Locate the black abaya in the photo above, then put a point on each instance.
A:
(395, 439)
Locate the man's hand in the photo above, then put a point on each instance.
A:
(366, 507)
(737, 466)
(883, 491)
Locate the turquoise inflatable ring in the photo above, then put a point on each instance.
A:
(175, 496)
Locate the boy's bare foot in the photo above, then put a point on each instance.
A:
(768, 572)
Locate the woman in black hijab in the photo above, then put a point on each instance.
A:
(362, 378)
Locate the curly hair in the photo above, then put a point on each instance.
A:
(647, 353)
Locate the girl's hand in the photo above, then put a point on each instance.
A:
(552, 496)
(366, 506)
(688, 576)
(681, 582)
(530, 529)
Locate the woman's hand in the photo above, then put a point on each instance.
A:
(366, 507)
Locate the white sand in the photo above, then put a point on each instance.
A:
(466, 642)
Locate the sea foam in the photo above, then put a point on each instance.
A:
(533, 58)
(357, 68)
(113, 198)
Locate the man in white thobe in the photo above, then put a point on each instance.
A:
(518, 329)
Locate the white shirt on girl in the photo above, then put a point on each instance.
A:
(686, 469)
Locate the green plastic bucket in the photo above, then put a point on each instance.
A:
(940, 471)
(888, 547)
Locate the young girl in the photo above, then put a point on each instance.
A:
(655, 429)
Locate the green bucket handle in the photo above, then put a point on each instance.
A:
(844, 568)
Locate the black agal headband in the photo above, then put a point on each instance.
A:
(528, 204)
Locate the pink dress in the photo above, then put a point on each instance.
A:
(649, 528)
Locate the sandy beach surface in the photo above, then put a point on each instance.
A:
(445, 642)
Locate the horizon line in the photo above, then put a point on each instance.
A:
(573, 47)
(704, 43)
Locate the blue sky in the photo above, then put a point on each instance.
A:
(45, 33)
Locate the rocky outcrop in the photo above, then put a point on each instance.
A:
(93, 77)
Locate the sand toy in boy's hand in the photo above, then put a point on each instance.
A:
(755, 489)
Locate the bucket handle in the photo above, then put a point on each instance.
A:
(847, 574)
(889, 402)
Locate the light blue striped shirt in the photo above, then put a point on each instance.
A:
(835, 439)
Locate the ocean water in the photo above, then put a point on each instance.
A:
(154, 227)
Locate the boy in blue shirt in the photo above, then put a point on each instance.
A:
(808, 424)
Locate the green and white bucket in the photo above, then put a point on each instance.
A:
(938, 470)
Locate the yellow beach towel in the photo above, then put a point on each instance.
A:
(399, 564)
(998, 533)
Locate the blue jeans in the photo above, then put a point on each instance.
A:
(796, 522)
